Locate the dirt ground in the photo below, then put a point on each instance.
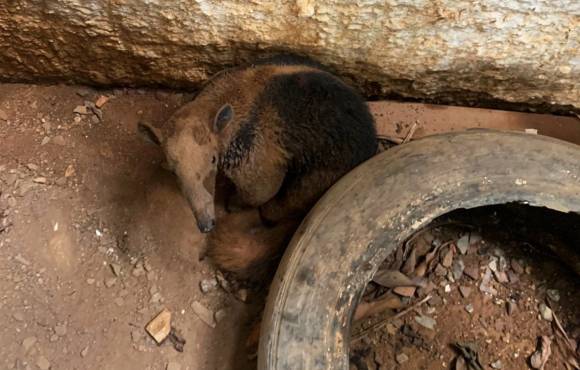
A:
(96, 239)
(80, 196)
(486, 296)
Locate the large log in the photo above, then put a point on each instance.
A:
(513, 50)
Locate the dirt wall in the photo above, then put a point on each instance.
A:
(513, 50)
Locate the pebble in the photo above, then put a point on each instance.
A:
(242, 295)
(60, 330)
(45, 140)
(43, 363)
(85, 351)
(28, 342)
(102, 100)
(90, 281)
(447, 258)
(173, 366)
(465, 291)
(39, 180)
(205, 314)
(546, 312)
(463, 244)
(208, 285)
(511, 307)
(138, 270)
(469, 308)
(156, 298)
(472, 271)
(115, 267)
(401, 358)
(32, 167)
(496, 365)
(458, 267)
(426, 321)
(110, 282)
(81, 109)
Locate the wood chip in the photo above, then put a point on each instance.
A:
(160, 326)
(102, 100)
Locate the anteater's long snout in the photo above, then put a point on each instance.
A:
(202, 206)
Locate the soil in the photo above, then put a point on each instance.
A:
(79, 196)
(512, 239)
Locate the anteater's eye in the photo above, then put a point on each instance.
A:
(213, 160)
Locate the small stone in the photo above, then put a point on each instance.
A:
(70, 170)
(485, 285)
(45, 140)
(81, 109)
(463, 244)
(110, 282)
(116, 268)
(553, 294)
(208, 285)
(426, 321)
(53, 338)
(472, 271)
(156, 298)
(447, 288)
(173, 366)
(401, 358)
(435, 301)
(457, 268)
(511, 307)
(102, 100)
(138, 270)
(205, 314)
(43, 363)
(496, 365)
(160, 326)
(60, 330)
(147, 266)
(465, 291)
(220, 315)
(90, 281)
(28, 342)
(242, 295)
(546, 312)
(18, 316)
(469, 308)
(85, 351)
(39, 180)
(405, 291)
(447, 258)
(32, 167)
(59, 140)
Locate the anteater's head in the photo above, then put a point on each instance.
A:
(190, 140)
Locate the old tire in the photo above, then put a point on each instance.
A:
(370, 211)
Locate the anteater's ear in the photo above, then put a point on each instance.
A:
(224, 115)
(149, 132)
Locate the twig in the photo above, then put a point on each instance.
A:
(410, 133)
(383, 322)
(396, 140)
(561, 329)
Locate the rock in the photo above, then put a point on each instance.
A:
(28, 342)
(18, 316)
(102, 100)
(208, 285)
(32, 167)
(435, 301)
(401, 358)
(242, 295)
(485, 285)
(447, 288)
(220, 315)
(205, 314)
(85, 351)
(90, 281)
(59, 140)
(469, 308)
(110, 282)
(440, 270)
(39, 180)
(156, 298)
(43, 363)
(173, 366)
(511, 307)
(553, 294)
(542, 354)
(426, 321)
(405, 291)
(160, 326)
(447, 259)
(496, 364)
(457, 268)
(223, 282)
(70, 170)
(115, 267)
(463, 244)
(3, 115)
(81, 109)
(465, 291)
(546, 312)
(45, 140)
(60, 330)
